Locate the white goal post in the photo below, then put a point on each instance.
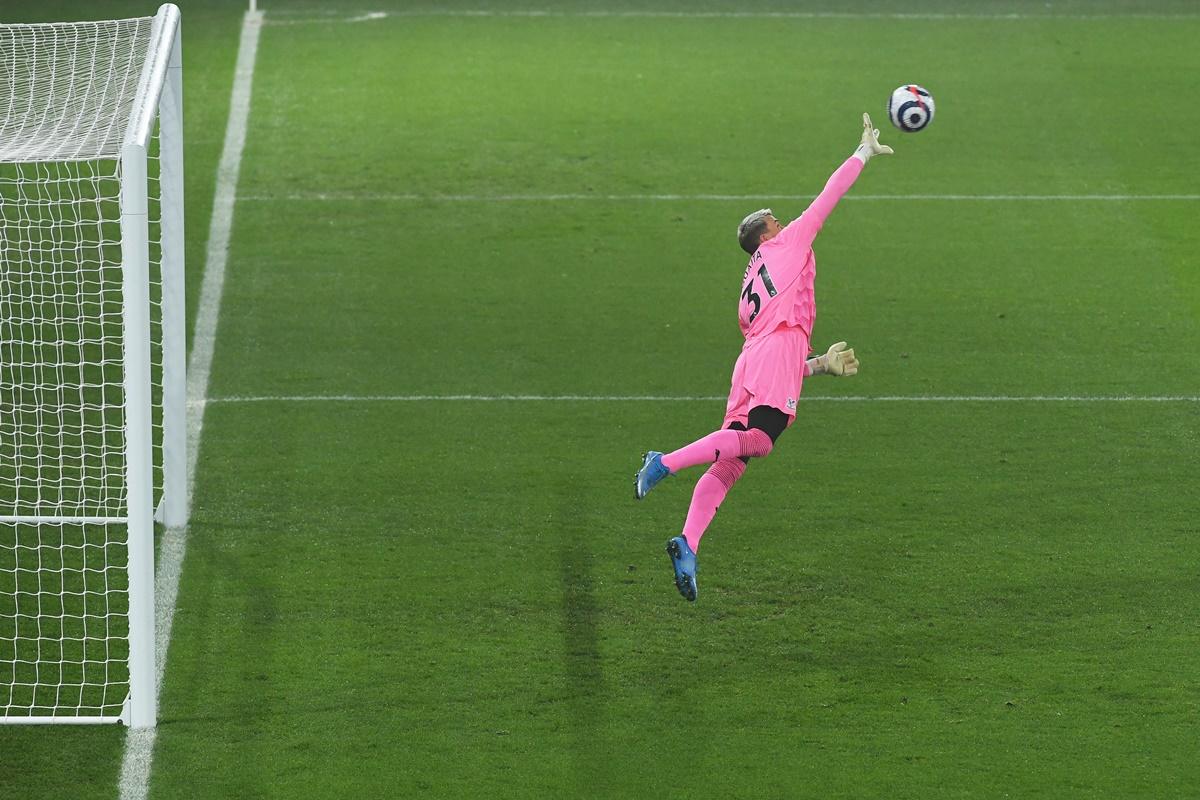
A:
(92, 390)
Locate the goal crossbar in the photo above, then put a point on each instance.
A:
(53, 520)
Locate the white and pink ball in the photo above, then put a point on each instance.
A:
(910, 108)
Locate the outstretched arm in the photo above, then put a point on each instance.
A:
(840, 360)
(811, 221)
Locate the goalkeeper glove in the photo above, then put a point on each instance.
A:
(839, 360)
(870, 142)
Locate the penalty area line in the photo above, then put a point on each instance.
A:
(134, 781)
(329, 16)
(413, 197)
(582, 398)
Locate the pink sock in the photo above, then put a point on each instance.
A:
(706, 499)
(716, 446)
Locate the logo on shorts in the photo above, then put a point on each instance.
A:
(791, 404)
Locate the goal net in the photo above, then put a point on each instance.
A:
(91, 360)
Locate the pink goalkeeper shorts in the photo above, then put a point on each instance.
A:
(769, 372)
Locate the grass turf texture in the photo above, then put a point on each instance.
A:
(951, 600)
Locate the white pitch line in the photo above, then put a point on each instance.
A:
(139, 743)
(542, 198)
(583, 398)
(348, 17)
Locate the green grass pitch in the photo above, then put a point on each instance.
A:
(462, 600)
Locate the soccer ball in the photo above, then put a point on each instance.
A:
(910, 108)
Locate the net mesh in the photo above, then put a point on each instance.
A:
(69, 88)
(64, 600)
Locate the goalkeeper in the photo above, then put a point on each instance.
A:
(776, 313)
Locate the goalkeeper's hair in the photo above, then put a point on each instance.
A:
(752, 227)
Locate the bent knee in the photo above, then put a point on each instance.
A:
(755, 443)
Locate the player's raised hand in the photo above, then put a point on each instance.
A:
(840, 360)
(870, 141)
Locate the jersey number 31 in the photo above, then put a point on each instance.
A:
(752, 297)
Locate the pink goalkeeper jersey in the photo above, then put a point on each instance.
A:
(777, 288)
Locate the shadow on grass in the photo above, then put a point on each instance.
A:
(581, 650)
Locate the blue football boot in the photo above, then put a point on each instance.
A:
(684, 561)
(650, 474)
